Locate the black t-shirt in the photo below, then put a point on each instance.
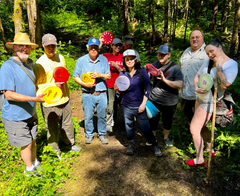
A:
(161, 92)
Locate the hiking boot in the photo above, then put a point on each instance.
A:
(130, 149)
(168, 142)
(76, 148)
(88, 140)
(32, 172)
(103, 139)
(157, 151)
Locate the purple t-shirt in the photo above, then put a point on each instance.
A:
(133, 97)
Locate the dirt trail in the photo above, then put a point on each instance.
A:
(107, 170)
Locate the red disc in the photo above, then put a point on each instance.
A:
(150, 68)
(60, 74)
(108, 37)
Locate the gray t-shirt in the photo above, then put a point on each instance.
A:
(161, 92)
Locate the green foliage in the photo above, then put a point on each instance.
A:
(54, 172)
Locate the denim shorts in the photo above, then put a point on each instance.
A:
(21, 133)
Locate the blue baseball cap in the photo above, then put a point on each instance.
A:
(116, 41)
(93, 41)
(164, 49)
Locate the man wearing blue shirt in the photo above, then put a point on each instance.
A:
(19, 109)
(93, 95)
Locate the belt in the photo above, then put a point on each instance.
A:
(95, 93)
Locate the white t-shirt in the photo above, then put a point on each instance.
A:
(230, 69)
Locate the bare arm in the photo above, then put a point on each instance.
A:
(173, 84)
(221, 77)
(99, 75)
(79, 81)
(195, 82)
(13, 96)
(114, 64)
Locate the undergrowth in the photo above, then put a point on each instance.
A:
(54, 171)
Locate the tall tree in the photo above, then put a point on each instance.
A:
(235, 38)
(214, 20)
(229, 7)
(199, 13)
(118, 11)
(184, 15)
(17, 16)
(3, 36)
(152, 21)
(174, 14)
(165, 32)
(223, 15)
(187, 6)
(34, 21)
(125, 8)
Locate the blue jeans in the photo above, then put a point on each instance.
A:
(142, 119)
(89, 102)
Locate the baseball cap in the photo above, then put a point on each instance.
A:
(126, 37)
(93, 41)
(49, 39)
(164, 49)
(129, 52)
(116, 41)
(127, 42)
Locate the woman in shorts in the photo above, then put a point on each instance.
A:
(226, 70)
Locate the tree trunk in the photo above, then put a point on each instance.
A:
(174, 19)
(152, 22)
(207, 10)
(118, 12)
(199, 11)
(223, 15)
(170, 16)
(34, 21)
(165, 33)
(17, 16)
(235, 40)
(184, 16)
(3, 36)
(214, 20)
(187, 6)
(125, 9)
(229, 7)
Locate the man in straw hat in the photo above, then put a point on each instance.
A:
(19, 110)
(60, 111)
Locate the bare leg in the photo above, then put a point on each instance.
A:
(166, 133)
(34, 150)
(26, 154)
(200, 118)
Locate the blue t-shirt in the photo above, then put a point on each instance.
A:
(84, 64)
(13, 78)
(133, 97)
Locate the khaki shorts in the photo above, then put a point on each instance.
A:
(21, 133)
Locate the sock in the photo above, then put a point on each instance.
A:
(30, 168)
(36, 162)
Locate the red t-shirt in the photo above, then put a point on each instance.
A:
(114, 72)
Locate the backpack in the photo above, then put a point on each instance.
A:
(224, 107)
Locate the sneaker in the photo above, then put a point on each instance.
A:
(37, 165)
(157, 151)
(32, 172)
(88, 140)
(148, 144)
(130, 149)
(112, 124)
(76, 148)
(103, 139)
(168, 142)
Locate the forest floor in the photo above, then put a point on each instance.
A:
(106, 170)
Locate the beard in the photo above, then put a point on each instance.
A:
(23, 57)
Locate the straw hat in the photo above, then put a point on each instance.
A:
(21, 39)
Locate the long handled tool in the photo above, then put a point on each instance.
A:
(213, 125)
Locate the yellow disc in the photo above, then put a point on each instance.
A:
(53, 94)
(86, 78)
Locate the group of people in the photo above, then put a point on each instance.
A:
(20, 78)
